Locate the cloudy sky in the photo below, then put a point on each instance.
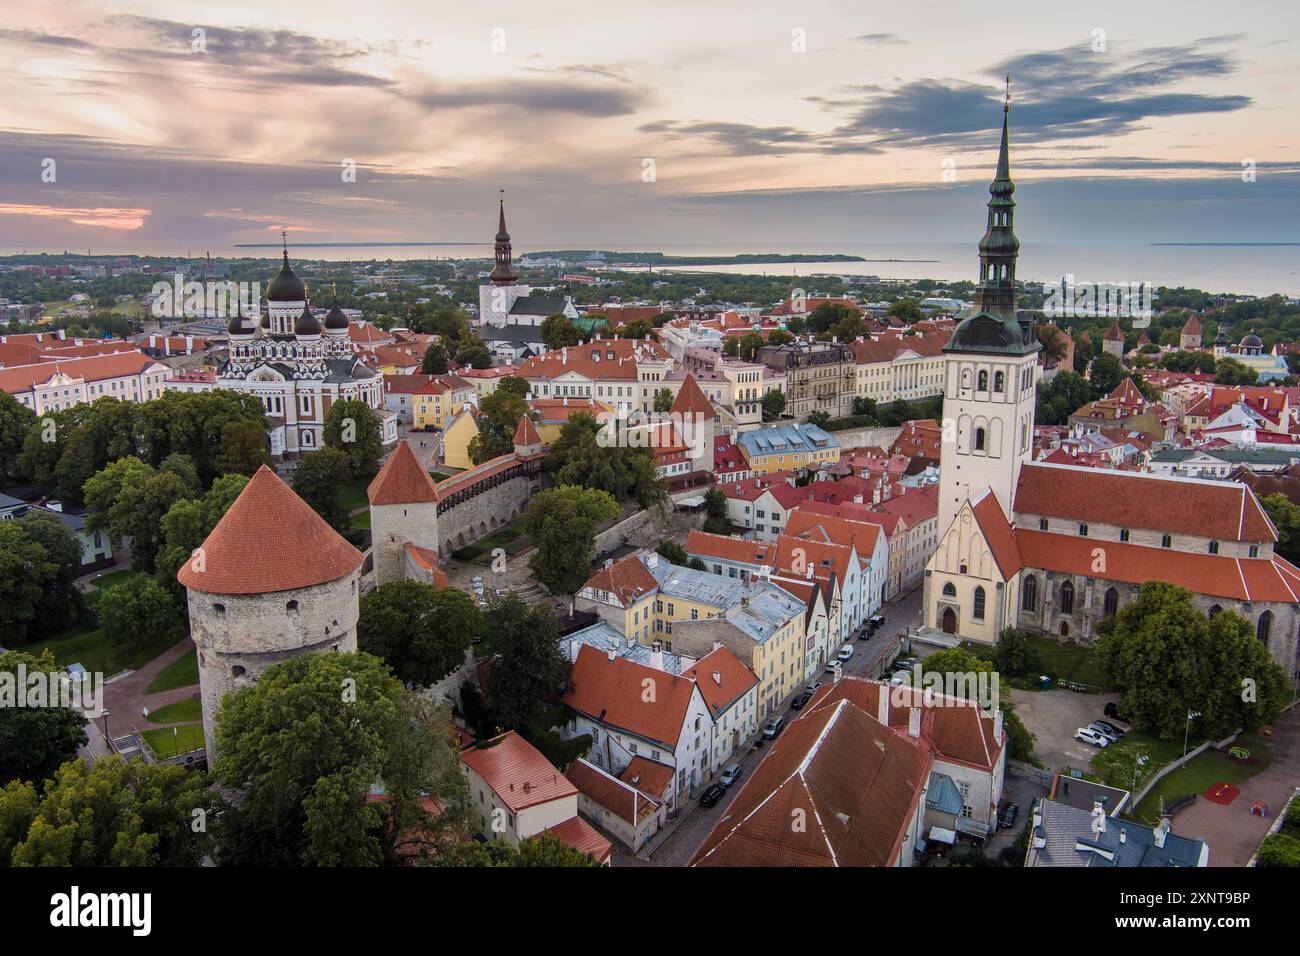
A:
(824, 122)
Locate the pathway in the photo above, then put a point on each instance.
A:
(125, 698)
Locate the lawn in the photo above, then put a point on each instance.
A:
(182, 711)
(510, 538)
(90, 648)
(354, 494)
(1203, 771)
(172, 741)
(1073, 662)
(1114, 764)
(182, 672)
(438, 476)
(360, 520)
(108, 580)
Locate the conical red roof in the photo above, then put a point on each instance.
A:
(526, 433)
(269, 540)
(691, 400)
(402, 480)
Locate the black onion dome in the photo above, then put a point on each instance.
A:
(307, 324)
(1252, 341)
(240, 324)
(335, 320)
(286, 287)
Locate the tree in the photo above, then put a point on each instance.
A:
(864, 407)
(304, 745)
(319, 481)
(499, 415)
(1015, 656)
(138, 612)
(243, 449)
(779, 337)
(435, 360)
(638, 329)
(514, 385)
(474, 354)
(664, 400)
(1286, 518)
(582, 455)
(352, 428)
(34, 741)
(962, 663)
(715, 512)
(187, 524)
(819, 418)
(529, 671)
(562, 524)
(421, 632)
(16, 420)
(1053, 342)
(1060, 398)
(1106, 372)
(906, 310)
(25, 567)
(558, 332)
(673, 552)
(1231, 372)
(1168, 659)
(750, 343)
(1188, 362)
(826, 316)
(1280, 849)
(129, 498)
(60, 600)
(111, 813)
(773, 404)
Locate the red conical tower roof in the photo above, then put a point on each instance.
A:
(402, 480)
(269, 540)
(526, 433)
(691, 400)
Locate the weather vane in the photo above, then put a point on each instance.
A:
(1007, 105)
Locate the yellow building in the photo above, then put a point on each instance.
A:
(443, 397)
(552, 414)
(461, 429)
(787, 448)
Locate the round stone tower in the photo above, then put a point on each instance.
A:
(271, 581)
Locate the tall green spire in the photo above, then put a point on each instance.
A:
(992, 324)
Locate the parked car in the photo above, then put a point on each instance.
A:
(905, 664)
(772, 729)
(1007, 814)
(730, 774)
(901, 677)
(874, 623)
(1090, 736)
(812, 685)
(798, 702)
(832, 666)
(845, 653)
(1112, 711)
(712, 794)
(1107, 729)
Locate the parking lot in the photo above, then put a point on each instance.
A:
(1053, 716)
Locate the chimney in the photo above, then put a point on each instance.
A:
(717, 678)
(573, 649)
(914, 722)
(613, 655)
(882, 706)
(1123, 836)
(1160, 832)
(716, 645)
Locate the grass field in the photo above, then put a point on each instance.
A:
(360, 520)
(108, 580)
(354, 494)
(1203, 771)
(182, 672)
(1072, 662)
(92, 649)
(180, 712)
(166, 744)
(1114, 764)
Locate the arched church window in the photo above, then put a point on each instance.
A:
(1110, 606)
(978, 612)
(949, 590)
(1067, 597)
(979, 439)
(984, 381)
(999, 380)
(1264, 626)
(1029, 595)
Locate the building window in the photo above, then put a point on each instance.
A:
(1029, 595)
(984, 382)
(979, 437)
(1110, 606)
(1166, 541)
(1042, 524)
(1254, 551)
(1214, 547)
(997, 382)
(978, 612)
(1067, 597)
(1123, 534)
(949, 590)
(1264, 626)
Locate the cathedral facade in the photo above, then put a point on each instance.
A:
(1059, 548)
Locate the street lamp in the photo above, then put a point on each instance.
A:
(1191, 715)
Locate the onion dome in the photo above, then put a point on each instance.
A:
(286, 287)
(1252, 341)
(240, 325)
(306, 324)
(335, 320)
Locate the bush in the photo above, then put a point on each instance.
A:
(1016, 656)
(1280, 849)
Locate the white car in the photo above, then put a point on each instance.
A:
(1090, 736)
(901, 677)
(845, 652)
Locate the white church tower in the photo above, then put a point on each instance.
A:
(497, 297)
(990, 370)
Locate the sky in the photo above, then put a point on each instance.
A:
(183, 126)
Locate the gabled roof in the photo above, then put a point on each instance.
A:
(691, 401)
(860, 535)
(628, 580)
(612, 693)
(858, 786)
(1208, 509)
(517, 772)
(526, 433)
(622, 799)
(727, 548)
(402, 480)
(998, 533)
(269, 540)
(722, 678)
(583, 837)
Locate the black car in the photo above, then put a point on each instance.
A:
(712, 794)
(798, 702)
(1110, 710)
(1108, 728)
(1007, 814)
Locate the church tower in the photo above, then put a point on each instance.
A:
(990, 369)
(502, 289)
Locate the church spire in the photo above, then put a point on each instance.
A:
(503, 273)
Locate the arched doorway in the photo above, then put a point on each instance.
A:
(949, 621)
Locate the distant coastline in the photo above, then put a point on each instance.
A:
(1225, 243)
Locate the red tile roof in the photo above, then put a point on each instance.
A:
(843, 531)
(628, 580)
(1209, 509)
(858, 786)
(583, 837)
(517, 772)
(722, 678)
(691, 401)
(269, 540)
(740, 550)
(526, 433)
(619, 798)
(402, 480)
(428, 559)
(651, 777)
(998, 533)
(23, 378)
(613, 693)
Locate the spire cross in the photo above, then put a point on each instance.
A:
(284, 239)
(1007, 105)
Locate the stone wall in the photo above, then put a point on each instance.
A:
(476, 517)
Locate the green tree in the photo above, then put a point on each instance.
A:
(129, 498)
(113, 813)
(583, 455)
(34, 741)
(499, 415)
(352, 428)
(749, 345)
(673, 552)
(16, 420)
(663, 400)
(60, 600)
(421, 632)
(715, 512)
(961, 662)
(1015, 656)
(25, 567)
(529, 672)
(242, 449)
(319, 481)
(514, 385)
(1231, 372)
(187, 524)
(562, 524)
(819, 418)
(906, 310)
(1280, 849)
(774, 404)
(138, 612)
(558, 332)
(435, 360)
(1106, 372)
(304, 745)
(474, 354)
(1052, 340)
(638, 329)
(1286, 518)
